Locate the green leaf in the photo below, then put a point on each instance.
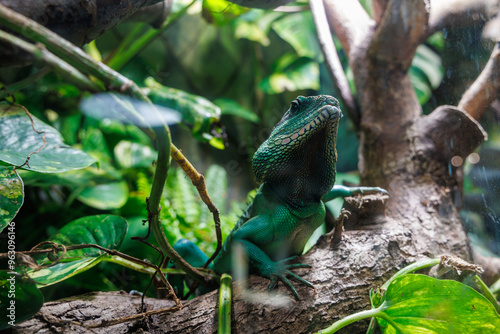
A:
(20, 299)
(104, 230)
(230, 107)
(298, 30)
(255, 26)
(107, 231)
(11, 195)
(421, 304)
(18, 140)
(221, 12)
(63, 270)
(198, 113)
(105, 196)
(292, 74)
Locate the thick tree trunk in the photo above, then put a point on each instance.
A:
(407, 153)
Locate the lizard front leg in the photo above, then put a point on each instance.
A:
(258, 238)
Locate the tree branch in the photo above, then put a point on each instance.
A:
(485, 89)
(453, 13)
(349, 21)
(333, 62)
(378, 9)
(400, 32)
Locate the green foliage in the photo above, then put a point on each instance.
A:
(186, 216)
(236, 67)
(411, 303)
(418, 303)
(19, 297)
(11, 195)
(20, 140)
(107, 231)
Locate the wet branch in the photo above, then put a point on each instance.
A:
(485, 89)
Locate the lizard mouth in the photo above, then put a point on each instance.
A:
(329, 111)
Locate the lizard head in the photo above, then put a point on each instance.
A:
(298, 159)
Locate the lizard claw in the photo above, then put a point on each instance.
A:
(281, 272)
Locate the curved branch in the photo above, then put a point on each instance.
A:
(442, 132)
(400, 32)
(485, 89)
(378, 9)
(349, 21)
(452, 13)
(333, 62)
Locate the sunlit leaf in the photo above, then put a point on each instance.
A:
(230, 107)
(422, 304)
(292, 74)
(20, 299)
(18, 140)
(298, 30)
(105, 196)
(11, 195)
(221, 12)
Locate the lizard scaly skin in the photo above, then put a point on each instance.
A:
(296, 166)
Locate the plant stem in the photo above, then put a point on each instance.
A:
(162, 164)
(225, 300)
(350, 319)
(411, 268)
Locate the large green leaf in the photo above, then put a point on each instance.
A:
(107, 231)
(105, 196)
(63, 270)
(18, 140)
(20, 299)
(422, 304)
(11, 195)
(104, 230)
(298, 30)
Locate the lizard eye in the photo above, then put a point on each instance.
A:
(294, 107)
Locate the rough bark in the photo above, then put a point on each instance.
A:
(400, 149)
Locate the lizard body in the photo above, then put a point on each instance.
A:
(296, 166)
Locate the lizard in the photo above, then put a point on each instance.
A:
(296, 168)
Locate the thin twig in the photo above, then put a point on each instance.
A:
(199, 182)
